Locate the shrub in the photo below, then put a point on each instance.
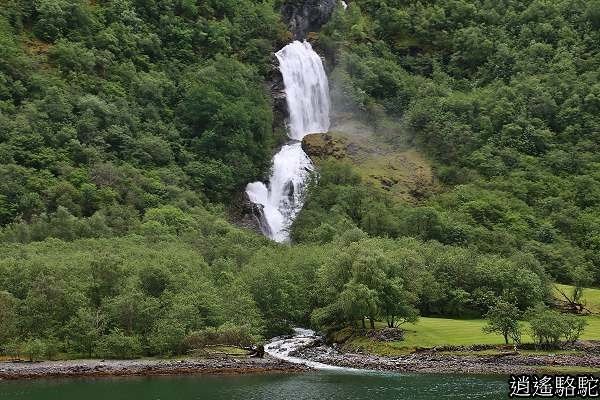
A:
(548, 327)
(12, 349)
(119, 345)
(51, 348)
(226, 334)
(34, 349)
(8, 316)
(574, 327)
(503, 318)
(167, 337)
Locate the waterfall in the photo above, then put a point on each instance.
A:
(307, 96)
(306, 89)
(282, 200)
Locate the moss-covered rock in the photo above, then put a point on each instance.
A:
(404, 172)
(318, 145)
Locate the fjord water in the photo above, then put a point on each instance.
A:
(305, 386)
(307, 96)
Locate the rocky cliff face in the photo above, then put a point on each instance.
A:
(304, 16)
(242, 212)
(277, 89)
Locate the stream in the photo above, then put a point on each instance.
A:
(281, 348)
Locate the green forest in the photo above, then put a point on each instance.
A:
(129, 128)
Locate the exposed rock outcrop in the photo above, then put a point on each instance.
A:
(246, 214)
(304, 16)
(318, 145)
(277, 89)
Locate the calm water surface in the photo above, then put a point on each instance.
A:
(312, 385)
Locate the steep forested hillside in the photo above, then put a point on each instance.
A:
(114, 107)
(127, 126)
(121, 118)
(504, 96)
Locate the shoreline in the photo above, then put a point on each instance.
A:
(423, 362)
(436, 362)
(143, 367)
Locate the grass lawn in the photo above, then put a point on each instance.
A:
(431, 332)
(229, 350)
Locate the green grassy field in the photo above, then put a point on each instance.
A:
(432, 332)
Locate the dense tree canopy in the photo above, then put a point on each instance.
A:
(127, 127)
(504, 98)
(110, 109)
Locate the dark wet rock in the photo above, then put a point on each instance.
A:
(277, 89)
(304, 16)
(246, 214)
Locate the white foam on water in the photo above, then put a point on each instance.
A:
(281, 349)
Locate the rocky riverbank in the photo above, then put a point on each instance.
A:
(447, 362)
(99, 368)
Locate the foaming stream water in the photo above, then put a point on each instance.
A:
(307, 96)
(282, 348)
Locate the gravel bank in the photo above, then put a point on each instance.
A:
(435, 362)
(96, 368)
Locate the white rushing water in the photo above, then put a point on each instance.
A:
(307, 96)
(306, 89)
(282, 200)
(281, 349)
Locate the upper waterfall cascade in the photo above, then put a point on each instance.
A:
(307, 96)
(306, 89)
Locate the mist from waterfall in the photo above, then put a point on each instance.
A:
(307, 96)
